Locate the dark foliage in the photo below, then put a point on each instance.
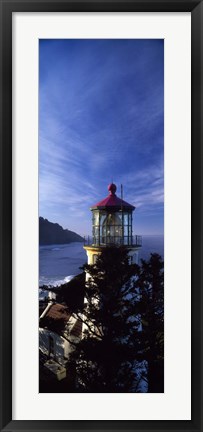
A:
(150, 282)
(72, 293)
(123, 322)
(106, 356)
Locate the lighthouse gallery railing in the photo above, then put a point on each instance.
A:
(133, 241)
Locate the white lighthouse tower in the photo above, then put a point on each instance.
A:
(112, 226)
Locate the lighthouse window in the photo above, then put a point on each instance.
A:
(113, 219)
(102, 218)
(125, 230)
(126, 219)
(96, 218)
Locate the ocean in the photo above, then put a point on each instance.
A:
(59, 263)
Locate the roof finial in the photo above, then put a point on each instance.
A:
(112, 189)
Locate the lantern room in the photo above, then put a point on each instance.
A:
(112, 226)
(112, 221)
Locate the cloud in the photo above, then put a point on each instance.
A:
(101, 118)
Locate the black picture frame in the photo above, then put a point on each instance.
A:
(7, 8)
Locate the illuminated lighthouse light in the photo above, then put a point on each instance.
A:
(112, 225)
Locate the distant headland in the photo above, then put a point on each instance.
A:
(53, 233)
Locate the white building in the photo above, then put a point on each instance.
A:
(58, 331)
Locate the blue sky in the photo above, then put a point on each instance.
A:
(101, 118)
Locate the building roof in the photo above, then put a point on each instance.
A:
(58, 312)
(56, 317)
(112, 201)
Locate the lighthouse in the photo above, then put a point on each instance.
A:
(112, 226)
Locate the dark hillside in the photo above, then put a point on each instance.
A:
(53, 233)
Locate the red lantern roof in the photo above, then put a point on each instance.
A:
(112, 201)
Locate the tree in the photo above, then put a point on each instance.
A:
(150, 283)
(106, 356)
(123, 319)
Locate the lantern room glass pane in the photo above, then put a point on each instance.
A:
(110, 227)
(113, 219)
(125, 219)
(125, 230)
(102, 218)
(96, 218)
